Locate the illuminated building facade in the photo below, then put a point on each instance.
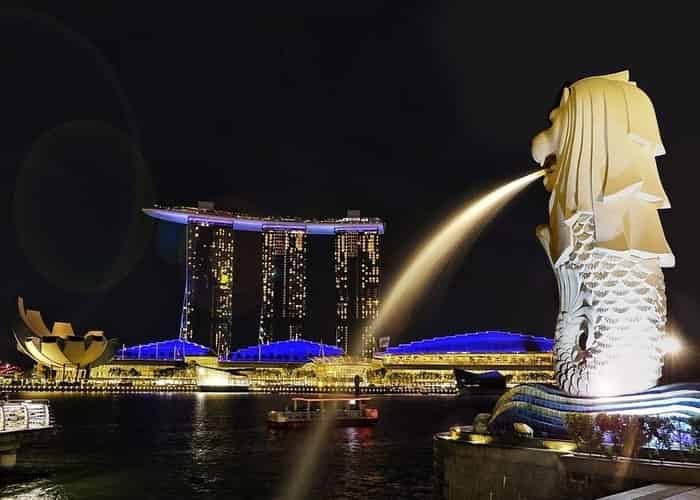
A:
(425, 366)
(60, 348)
(221, 290)
(206, 312)
(195, 266)
(207, 304)
(357, 278)
(283, 285)
(519, 357)
(169, 365)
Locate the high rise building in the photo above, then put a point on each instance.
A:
(221, 258)
(207, 304)
(206, 310)
(193, 322)
(283, 285)
(357, 273)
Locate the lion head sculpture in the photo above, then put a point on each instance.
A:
(600, 151)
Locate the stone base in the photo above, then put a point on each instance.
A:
(8, 460)
(487, 471)
(9, 444)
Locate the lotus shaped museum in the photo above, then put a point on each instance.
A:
(59, 347)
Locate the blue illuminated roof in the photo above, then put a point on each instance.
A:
(478, 342)
(165, 350)
(285, 351)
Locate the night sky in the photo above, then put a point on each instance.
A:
(400, 112)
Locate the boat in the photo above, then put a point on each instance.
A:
(480, 384)
(346, 412)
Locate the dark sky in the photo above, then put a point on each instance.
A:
(402, 112)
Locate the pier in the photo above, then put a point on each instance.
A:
(18, 417)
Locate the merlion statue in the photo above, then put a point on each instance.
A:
(604, 239)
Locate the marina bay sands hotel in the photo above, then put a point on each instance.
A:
(209, 281)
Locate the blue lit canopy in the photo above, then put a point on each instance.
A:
(286, 351)
(479, 343)
(165, 350)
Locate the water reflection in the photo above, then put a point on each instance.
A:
(199, 441)
(308, 457)
(218, 446)
(40, 488)
(357, 438)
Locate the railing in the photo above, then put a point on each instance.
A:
(22, 415)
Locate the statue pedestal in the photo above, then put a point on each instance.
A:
(9, 444)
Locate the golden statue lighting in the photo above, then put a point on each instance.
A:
(604, 239)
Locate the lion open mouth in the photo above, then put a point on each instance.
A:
(550, 165)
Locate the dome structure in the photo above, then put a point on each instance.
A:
(59, 347)
(285, 351)
(479, 343)
(164, 350)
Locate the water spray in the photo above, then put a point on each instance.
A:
(460, 229)
(299, 481)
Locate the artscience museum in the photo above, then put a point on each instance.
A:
(60, 349)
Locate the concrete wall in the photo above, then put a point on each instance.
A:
(472, 471)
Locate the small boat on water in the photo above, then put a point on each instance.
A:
(346, 412)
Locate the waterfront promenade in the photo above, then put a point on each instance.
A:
(127, 388)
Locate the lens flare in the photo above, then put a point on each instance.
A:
(672, 344)
(459, 230)
(300, 479)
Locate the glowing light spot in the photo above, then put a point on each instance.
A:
(672, 344)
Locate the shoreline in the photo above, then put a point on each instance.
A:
(189, 388)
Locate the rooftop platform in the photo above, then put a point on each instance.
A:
(244, 222)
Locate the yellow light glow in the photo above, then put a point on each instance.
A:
(459, 230)
(557, 445)
(672, 344)
(478, 438)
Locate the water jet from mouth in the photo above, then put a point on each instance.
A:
(459, 231)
